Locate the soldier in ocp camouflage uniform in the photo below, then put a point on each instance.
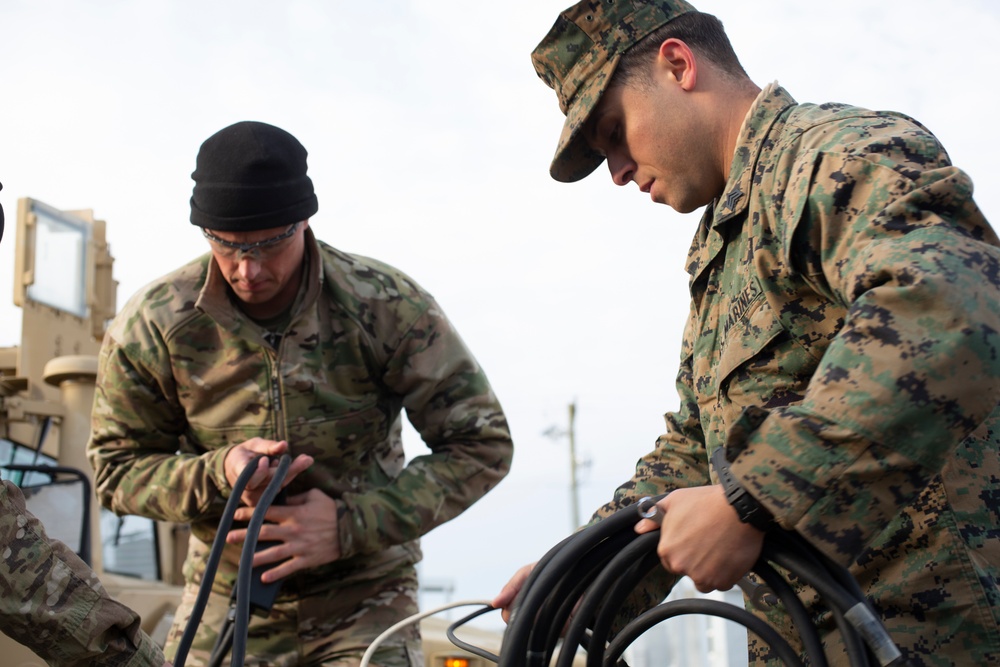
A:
(53, 603)
(275, 342)
(843, 341)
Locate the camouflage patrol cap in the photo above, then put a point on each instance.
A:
(577, 59)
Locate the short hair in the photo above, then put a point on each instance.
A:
(703, 33)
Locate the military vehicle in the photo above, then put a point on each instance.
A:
(64, 286)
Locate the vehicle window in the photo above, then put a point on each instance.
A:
(48, 495)
(130, 545)
(14, 452)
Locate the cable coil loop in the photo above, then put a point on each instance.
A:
(585, 580)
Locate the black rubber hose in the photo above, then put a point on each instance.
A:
(667, 610)
(222, 644)
(475, 650)
(546, 572)
(871, 632)
(603, 600)
(583, 580)
(208, 577)
(838, 600)
(245, 577)
(567, 585)
(812, 645)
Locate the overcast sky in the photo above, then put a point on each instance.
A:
(429, 139)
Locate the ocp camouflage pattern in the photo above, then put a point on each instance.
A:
(843, 344)
(184, 376)
(333, 629)
(54, 604)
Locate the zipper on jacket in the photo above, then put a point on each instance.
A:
(276, 409)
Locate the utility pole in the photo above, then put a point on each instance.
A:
(555, 432)
(574, 500)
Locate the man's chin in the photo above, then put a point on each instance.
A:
(688, 206)
(255, 296)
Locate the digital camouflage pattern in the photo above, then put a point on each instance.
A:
(53, 603)
(181, 369)
(333, 629)
(577, 58)
(843, 344)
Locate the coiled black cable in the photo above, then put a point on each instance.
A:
(527, 636)
(596, 569)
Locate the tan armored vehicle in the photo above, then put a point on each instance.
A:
(63, 283)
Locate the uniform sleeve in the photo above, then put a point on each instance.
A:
(449, 401)
(52, 602)
(894, 236)
(137, 430)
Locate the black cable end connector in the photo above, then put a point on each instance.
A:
(262, 596)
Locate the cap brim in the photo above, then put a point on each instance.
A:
(574, 158)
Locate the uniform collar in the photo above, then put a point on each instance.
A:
(764, 112)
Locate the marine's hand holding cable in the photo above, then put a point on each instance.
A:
(702, 537)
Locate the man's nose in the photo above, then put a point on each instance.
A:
(248, 268)
(622, 167)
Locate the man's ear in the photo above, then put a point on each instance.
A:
(677, 60)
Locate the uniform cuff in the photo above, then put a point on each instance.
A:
(828, 483)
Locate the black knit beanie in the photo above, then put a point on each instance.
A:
(251, 176)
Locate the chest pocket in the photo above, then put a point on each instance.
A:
(750, 366)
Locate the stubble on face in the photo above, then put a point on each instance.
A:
(265, 286)
(655, 135)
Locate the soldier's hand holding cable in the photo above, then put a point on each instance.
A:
(702, 537)
(306, 528)
(505, 598)
(242, 454)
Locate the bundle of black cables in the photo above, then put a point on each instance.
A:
(235, 629)
(576, 591)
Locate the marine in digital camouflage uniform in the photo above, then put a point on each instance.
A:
(198, 367)
(53, 603)
(843, 340)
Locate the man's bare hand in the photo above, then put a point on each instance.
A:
(505, 598)
(242, 454)
(306, 527)
(702, 537)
